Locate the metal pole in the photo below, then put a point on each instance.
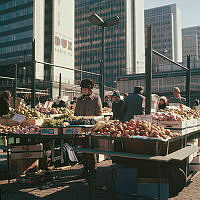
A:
(188, 81)
(60, 86)
(15, 87)
(33, 75)
(148, 71)
(102, 68)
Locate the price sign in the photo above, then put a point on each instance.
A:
(49, 131)
(147, 118)
(174, 104)
(71, 130)
(18, 118)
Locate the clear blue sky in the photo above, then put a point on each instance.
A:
(190, 10)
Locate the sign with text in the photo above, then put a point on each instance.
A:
(147, 118)
(19, 118)
(49, 131)
(71, 130)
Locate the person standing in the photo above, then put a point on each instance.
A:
(177, 98)
(107, 102)
(133, 104)
(5, 98)
(116, 105)
(88, 104)
(162, 103)
(5, 102)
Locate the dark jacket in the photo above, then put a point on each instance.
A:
(62, 104)
(133, 105)
(162, 106)
(4, 107)
(180, 100)
(116, 109)
(88, 106)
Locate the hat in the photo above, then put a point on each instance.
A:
(163, 98)
(87, 83)
(176, 89)
(116, 94)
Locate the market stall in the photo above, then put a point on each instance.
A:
(151, 143)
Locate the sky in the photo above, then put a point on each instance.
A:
(190, 10)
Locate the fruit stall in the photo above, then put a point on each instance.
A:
(162, 145)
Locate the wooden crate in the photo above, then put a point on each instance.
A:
(104, 144)
(27, 151)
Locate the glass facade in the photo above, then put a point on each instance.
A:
(162, 26)
(16, 33)
(88, 40)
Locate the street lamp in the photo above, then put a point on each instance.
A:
(97, 20)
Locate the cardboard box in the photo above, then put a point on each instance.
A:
(191, 125)
(198, 124)
(148, 187)
(147, 118)
(27, 151)
(173, 124)
(181, 131)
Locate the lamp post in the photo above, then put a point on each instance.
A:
(97, 20)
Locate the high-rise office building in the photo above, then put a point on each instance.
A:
(124, 51)
(166, 30)
(21, 21)
(191, 45)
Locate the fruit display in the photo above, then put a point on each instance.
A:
(176, 114)
(24, 110)
(28, 130)
(49, 111)
(132, 128)
(167, 116)
(53, 123)
(67, 116)
(9, 129)
(19, 129)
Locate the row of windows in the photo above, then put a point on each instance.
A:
(102, 3)
(11, 49)
(158, 11)
(17, 36)
(13, 3)
(110, 46)
(17, 13)
(107, 41)
(15, 25)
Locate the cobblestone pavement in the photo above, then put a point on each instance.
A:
(66, 185)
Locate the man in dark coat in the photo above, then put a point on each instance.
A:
(133, 104)
(116, 105)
